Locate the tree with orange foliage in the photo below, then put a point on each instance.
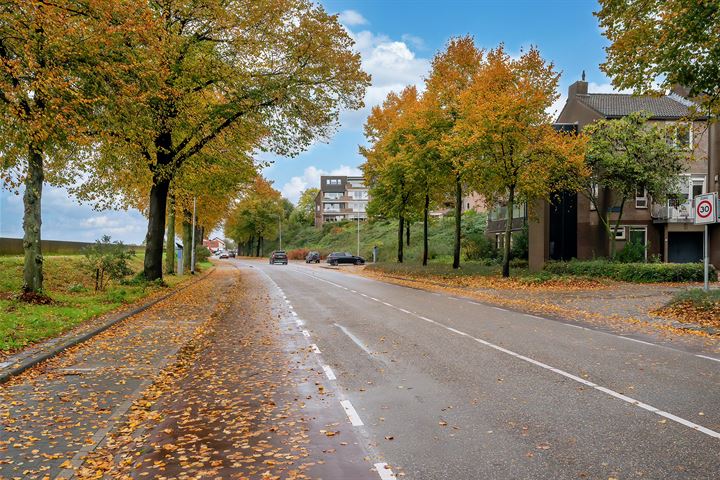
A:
(255, 217)
(452, 73)
(505, 133)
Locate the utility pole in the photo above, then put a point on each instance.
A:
(192, 253)
(280, 229)
(358, 234)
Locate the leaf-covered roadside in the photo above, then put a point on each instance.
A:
(695, 307)
(74, 301)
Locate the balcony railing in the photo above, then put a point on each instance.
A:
(674, 211)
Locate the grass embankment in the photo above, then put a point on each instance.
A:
(70, 287)
(694, 306)
(342, 237)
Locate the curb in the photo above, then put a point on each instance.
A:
(33, 360)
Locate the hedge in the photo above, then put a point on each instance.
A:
(633, 272)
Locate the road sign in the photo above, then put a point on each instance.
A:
(706, 208)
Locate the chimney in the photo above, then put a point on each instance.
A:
(578, 88)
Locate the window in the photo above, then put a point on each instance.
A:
(332, 195)
(499, 240)
(684, 135)
(641, 198)
(620, 233)
(332, 181)
(595, 192)
(639, 235)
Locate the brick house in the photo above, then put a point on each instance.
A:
(215, 244)
(570, 228)
(341, 198)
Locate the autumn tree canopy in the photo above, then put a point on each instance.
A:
(664, 42)
(505, 133)
(224, 77)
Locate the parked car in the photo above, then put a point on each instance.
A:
(336, 258)
(232, 254)
(312, 257)
(224, 254)
(278, 256)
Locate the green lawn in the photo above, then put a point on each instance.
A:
(74, 301)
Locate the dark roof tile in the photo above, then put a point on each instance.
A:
(620, 105)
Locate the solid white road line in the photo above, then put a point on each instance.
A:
(709, 358)
(384, 471)
(306, 333)
(534, 316)
(354, 339)
(638, 341)
(612, 393)
(315, 348)
(351, 413)
(501, 309)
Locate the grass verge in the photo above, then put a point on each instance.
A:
(694, 306)
(74, 301)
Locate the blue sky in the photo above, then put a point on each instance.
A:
(396, 39)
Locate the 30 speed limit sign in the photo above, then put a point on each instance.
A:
(706, 208)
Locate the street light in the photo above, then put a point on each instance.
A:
(192, 252)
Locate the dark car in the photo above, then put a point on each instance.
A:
(232, 254)
(278, 256)
(337, 258)
(312, 257)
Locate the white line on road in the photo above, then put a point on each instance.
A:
(299, 322)
(384, 471)
(709, 358)
(315, 348)
(637, 341)
(306, 333)
(294, 314)
(329, 373)
(351, 413)
(354, 339)
(534, 316)
(565, 374)
(501, 309)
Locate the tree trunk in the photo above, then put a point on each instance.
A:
(250, 246)
(170, 240)
(613, 237)
(407, 233)
(508, 229)
(401, 226)
(156, 230)
(257, 250)
(187, 240)
(458, 221)
(425, 229)
(32, 220)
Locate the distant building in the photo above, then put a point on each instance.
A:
(341, 198)
(215, 244)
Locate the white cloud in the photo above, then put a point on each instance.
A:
(351, 18)
(311, 178)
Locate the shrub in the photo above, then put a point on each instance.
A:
(632, 252)
(107, 260)
(632, 272)
(520, 244)
(298, 253)
(202, 253)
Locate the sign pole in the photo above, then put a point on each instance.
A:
(706, 251)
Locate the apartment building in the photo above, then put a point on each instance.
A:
(570, 228)
(341, 198)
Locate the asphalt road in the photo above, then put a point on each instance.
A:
(448, 388)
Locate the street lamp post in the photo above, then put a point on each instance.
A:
(192, 252)
(358, 234)
(280, 230)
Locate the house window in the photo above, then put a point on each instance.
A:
(641, 198)
(620, 233)
(639, 235)
(595, 193)
(499, 240)
(684, 135)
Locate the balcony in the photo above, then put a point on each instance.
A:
(673, 211)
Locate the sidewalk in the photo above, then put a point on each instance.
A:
(216, 382)
(55, 412)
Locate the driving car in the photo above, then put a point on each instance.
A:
(224, 254)
(337, 258)
(312, 257)
(232, 253)
(278, 256)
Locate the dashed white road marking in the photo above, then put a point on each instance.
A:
(329, 373)
(709, 358)
(306, 333)
(534, 316)
(384, 471)
(575, 326)
(294, 314)
(501, 309)
(351, 413)
(352, 337)
(565, 374)
(315, 348)
(299, 322)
